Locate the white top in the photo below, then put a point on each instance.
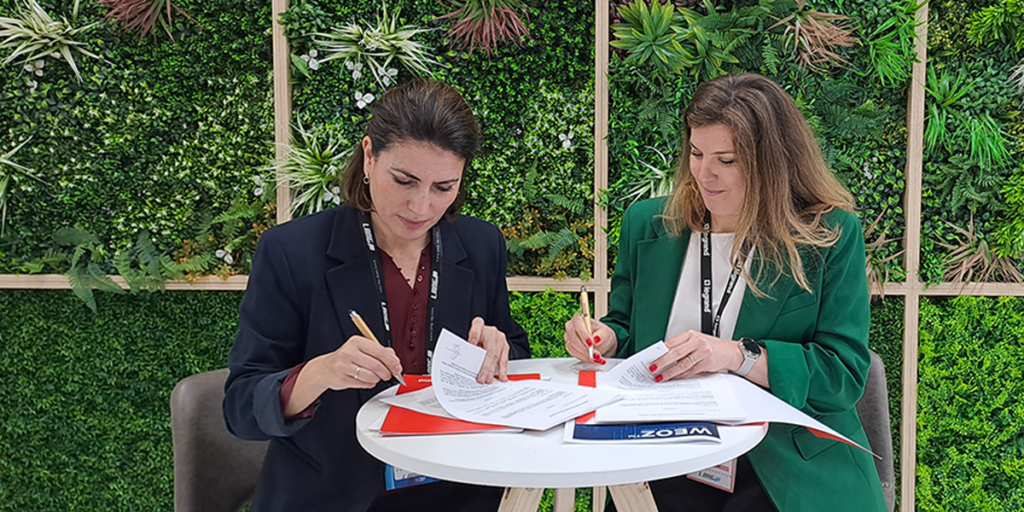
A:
(541, 459)
(685, 313)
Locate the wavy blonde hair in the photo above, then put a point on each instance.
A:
(788, 185)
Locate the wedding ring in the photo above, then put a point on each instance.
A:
(692, 362)
(356, 375)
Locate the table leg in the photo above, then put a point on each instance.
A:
(520, 499)
(633, 497)
(600, 494)
(565, 500)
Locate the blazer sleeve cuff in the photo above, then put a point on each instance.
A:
(267, 407)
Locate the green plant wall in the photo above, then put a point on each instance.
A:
(974, 131)
(158, 137)
(970, 421)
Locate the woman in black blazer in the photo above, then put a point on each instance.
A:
(398, 253)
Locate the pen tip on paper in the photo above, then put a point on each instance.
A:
(583, 289)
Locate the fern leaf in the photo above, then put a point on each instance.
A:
(75, 236)
(576, 206)
(563, 239)
(100, 279)
(81, 290)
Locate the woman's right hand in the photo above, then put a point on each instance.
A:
(577, 339)
(358, 363)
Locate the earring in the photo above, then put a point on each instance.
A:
(366, 180)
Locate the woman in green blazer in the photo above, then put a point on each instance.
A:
(755, 213)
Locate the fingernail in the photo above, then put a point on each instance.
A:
(597, 339)
(654, 368)
(657, 378)
(590, 342)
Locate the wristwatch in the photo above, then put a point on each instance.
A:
(751, 352)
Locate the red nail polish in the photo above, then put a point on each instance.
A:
(590, 342)
(597, 339)
(654, 368)
(657, 378)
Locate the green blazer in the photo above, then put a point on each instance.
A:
(817, 346)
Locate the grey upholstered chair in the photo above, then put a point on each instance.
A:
(873, 409)
(213, 470)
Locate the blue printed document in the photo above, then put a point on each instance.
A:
(676, 432)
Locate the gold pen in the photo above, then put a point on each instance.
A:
(365, 330)
(585, 306)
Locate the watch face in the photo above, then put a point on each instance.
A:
(750, 346)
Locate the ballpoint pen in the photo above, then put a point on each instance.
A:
(365, 330)
(585, 306)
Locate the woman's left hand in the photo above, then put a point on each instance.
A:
(493, 341)
(693, 352)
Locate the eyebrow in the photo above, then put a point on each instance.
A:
(692, 147)
(412, 176)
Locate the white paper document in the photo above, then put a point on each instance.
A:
(764, 406)
(535, 405)
(704, 398)
(422, 401)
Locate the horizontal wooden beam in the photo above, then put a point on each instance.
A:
(521, 284)
(60, 282)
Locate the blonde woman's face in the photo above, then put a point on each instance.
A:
(716, 169)
(412, 184)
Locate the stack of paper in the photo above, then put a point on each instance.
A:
(524, 404)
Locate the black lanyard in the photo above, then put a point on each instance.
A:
(708, 324)
(378, 276)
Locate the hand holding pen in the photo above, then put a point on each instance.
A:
(587, 339)
(367, 333)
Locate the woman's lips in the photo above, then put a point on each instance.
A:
(410, 224)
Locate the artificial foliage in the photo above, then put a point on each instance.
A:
(974, 134)
(970, 421)
(157, 136)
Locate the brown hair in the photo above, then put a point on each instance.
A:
(788, 184)
(420, 110)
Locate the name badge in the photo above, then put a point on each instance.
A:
(398, 478)
(722, 476)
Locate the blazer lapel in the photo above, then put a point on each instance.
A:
(659, 263)
(455, 291)
(758, 314)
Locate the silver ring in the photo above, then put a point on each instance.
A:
(694, 363)
(356, 375)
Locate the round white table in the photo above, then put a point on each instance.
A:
(539, 460)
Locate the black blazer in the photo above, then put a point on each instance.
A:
(306, 276)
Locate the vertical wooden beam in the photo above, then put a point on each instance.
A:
(912, 238)
(282, 106)
(600, 154)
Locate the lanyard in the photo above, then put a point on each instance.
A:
(378, 276)
(708, 324)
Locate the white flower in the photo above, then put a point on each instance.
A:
(362, 100)
(389, 75)
(225, 254)
(333, 195)
(356, 68)
(311, 61)
(566, 139)
(258, 192)
(32, 84)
